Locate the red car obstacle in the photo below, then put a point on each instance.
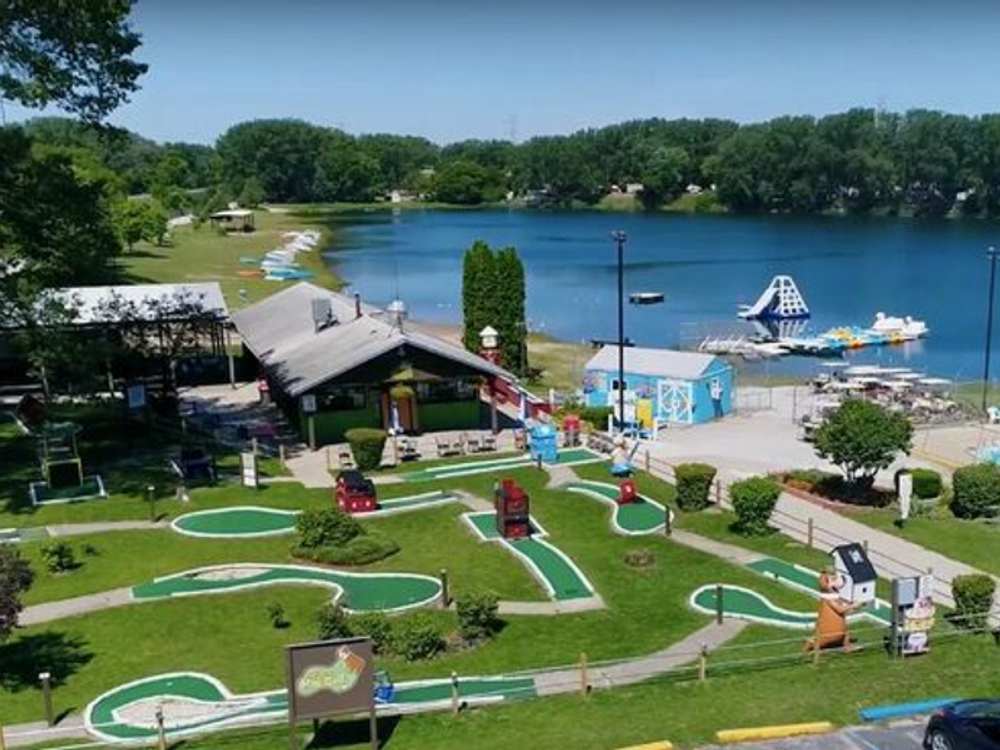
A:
(627, 493)
(355, 493)
(513, 510)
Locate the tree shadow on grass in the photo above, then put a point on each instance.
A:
(22, 659)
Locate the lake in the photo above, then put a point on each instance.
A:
(847, 269)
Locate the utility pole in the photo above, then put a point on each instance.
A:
(620, 238)
(991, 254)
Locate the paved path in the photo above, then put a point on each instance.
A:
(25, 735)
(629, 672)
(82, 529)
(311, 469)
(904, 736)
(80, 605)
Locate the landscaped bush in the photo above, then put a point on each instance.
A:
(973, 595)
(59, 556)
(976, 489)
(417, 638)
(927, 484)
(333, 622)
(596, 416)
(363, 550)
(753, 502)
(276, 614)
(805, 479)
(374, 625)
(694, 485)
(367, 445)
(478, 614)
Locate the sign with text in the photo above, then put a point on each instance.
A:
(328, 678)
(248, 469)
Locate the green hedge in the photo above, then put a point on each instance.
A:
(973, 595)
(417, 638)
(329, 526)
(694, 485)
(367, 445)
(753, 501)
(363, 550)
(976, 489)
(478, 617)
(927, 484)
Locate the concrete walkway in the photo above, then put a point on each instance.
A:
(80, 605)
(102, 527)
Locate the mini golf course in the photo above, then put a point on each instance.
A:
(194, 702)
(358, 592)
(245, 521)
(560, 576)
(644, 516)
(570, 457)
(746, 604)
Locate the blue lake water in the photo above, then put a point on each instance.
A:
(847, 269)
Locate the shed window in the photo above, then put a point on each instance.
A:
(440, 391)
(344, 399)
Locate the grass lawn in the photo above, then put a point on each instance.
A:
(972, 542)
(204, 254)
(687, 713)
(561, 363)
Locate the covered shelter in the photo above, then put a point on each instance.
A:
(333, 363)
(661, 385)
(234, 220)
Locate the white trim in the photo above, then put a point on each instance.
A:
(617, 508)
(228, 589)
(752, 618)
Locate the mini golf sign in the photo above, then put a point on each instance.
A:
(331, 678)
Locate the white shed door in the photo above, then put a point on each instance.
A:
(675, 401)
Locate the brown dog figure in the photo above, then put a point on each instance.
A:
(831, 620)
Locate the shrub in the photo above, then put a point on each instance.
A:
(694, 485)
(333, 622)
(927, 484)
(977, 490)
(478, 614)
(595, 416)
(639, 558)
(862, 438)
(367, 445)
(323, 527)
(374, 625)
(362, 550)
(973, 596)
(59, 556)
(417, 638)
(805, 479)
(753, 502)
(276, 614)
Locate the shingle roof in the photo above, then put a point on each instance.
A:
(281, 333)
(666, 363)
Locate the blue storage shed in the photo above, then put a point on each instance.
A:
(661, 385)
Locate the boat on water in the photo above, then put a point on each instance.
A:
(645, 298)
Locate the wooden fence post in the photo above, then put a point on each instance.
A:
(3, 742)
(584, 677)
(647, 461)
(281, 455)
(864, 545)
(703, 664)
(445, 592)
(454, 693)
(719, 608)
(810, 533)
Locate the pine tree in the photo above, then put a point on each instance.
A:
(510, 301)
(478, 293)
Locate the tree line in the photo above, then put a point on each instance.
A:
(861, 161)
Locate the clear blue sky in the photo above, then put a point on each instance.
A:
(454, 69)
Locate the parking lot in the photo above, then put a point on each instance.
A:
(904, 737)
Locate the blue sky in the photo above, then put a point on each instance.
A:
(454, 69)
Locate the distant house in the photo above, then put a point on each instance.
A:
(401, 196)
(333, 363)
(233, 219)
(661, 385)
(633, 188)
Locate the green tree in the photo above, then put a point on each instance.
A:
(345, 171)
(479, 281)
(863, 438)
(510, 311)
(664, 175)
(16, 578)
(75, 55)
(461, 182)
(252, 194)
(139, 220)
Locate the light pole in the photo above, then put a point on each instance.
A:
(620, 238)
(991, 254)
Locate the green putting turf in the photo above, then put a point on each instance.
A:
(561, 578)
(641, 517)
(362, 592)
(218, 707)
(749, 605)
(469, 468)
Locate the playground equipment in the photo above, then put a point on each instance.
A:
(781, 300)
(543, 443)
(63, 479)
(195, 464)
(355, 493)
(512, 506)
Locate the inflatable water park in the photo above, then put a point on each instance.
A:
(780, 317)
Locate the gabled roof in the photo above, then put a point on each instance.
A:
(281, 333)
(856, 561)
(664, 363)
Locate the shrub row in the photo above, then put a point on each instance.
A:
(694, 485)
(367, 445)
(753, 502)
(411, 638)
(977, 490)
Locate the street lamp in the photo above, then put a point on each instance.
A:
(620, 238)
(991, 254)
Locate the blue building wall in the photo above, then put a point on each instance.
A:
(597, 387)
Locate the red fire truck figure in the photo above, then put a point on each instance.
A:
(513, 508)
(355, 493)
(627, 493)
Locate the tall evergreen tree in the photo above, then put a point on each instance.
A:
(479, 295)
(511, 323)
